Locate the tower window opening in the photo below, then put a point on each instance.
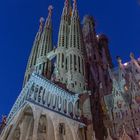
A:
(66, 63)
(83, 67)
(79, 64)
(70, 61)
(75, 62)
(40, 67)
(62, 79)
(72, 85)
(62, 60)
(58, 58)
(63, 41)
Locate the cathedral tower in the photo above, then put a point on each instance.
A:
(97, 72)
(75, 60)
(62, 45)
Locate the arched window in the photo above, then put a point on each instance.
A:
(70, 61)
(79, 64)
(58, 59)
(75, 63)
(70, 109)
(66, 63)
(83, 67)
(62, 60)
(65, 105)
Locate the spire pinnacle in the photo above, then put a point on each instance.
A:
(50, 9)
(119, 60)
(48, 20)
(132, 55)
(41, 24)
(66, 3)
(75, 4)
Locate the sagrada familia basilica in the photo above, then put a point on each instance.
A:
(72, 91)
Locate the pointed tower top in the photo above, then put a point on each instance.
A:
(132, 55)
(119, 60)
(50, 9)
(41, 24)
(67, 8)
(75, 4)
(48, 20)
(75, 10)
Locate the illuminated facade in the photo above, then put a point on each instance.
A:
(71, 92)
(123, 104)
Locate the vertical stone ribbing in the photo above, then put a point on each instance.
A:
(75, 52)
(63, 38)
(33, 55)
(43, 65)
(97, 74)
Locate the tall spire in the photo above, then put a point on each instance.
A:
(49, 18)
(63, 38)
(67, 8)
(43, 65)
(33, 55)
(75, 10)
(74, 4)
(76, 54)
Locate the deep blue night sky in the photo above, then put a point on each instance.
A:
(19, 19)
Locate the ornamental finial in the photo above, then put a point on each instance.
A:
(48, 20)
(50, 9)
(41, 24)
(4, 119)
(119, 59)
(132, 55)
(74, 4)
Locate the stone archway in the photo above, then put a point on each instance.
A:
(22, 125)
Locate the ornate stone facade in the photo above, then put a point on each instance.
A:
(123, 104)
(71, 92)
